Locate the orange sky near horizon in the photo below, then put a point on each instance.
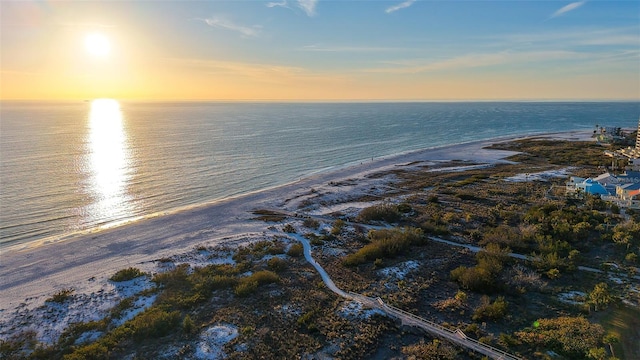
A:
(44, 58)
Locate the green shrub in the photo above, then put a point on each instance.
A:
(95, 351)
(383, 212)
(61, 296)
(126, 274)
(571, 337)
(491, 310)
(277, 264)
(245, 288)
(295, 250)
(289, 229)
(311, 223)
(264, 277)
(247, 285)
(338, 226)
(475, 278)
(123, 305)
(385, 243)
(187, 324)
(154, 323)
(177, 278)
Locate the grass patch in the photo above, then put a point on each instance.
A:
(61, 296)
(269, 216)
(386, 243)
(126, 274)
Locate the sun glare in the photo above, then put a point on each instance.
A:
(109, 161)
(97, 45)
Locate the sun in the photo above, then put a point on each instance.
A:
(97, 45)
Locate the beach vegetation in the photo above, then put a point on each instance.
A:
(247, 285)
(434, 350)
(269, 215)
(488, 310)
(61, 296)
(311, 223)
(127, 274)
(338, 227)
(572, 337)
(288, 228)
(17, 344)
(124, 304)
(382, 212)
(276, 264)
(245, 288)
(385, 243)
(295, 250)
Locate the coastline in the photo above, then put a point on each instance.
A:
(30, 274)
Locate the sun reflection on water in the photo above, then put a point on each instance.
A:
(109, 162)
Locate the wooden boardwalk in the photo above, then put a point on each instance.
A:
(455, 336)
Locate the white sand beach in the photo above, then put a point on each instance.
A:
(29, 274)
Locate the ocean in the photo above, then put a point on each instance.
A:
(69, 167)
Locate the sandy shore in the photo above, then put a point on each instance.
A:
(30, 274)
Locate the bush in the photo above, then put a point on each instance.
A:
(126, 274)
(311, 223)
(245, 288)
(571, 337)
(295, 250)
(491, 310)
(95, 351)
(187, 324)
(475, 278)
(289, 229)
(384, 212)
(338, 226)
(385, 243)
(61, 296)
(154, 323)
(264, 277)
(277, 264)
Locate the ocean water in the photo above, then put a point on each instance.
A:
(75, 166)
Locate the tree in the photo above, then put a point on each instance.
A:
(600, 296)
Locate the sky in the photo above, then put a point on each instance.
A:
(320, 50)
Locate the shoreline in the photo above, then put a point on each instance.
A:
(85, 262)
(328, 172)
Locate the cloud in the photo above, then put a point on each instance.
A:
(308, 6)
(320, 48)
(277, 4)
(620, 37)
(477, 60)
(397, 7)
(224, 23)
(565, 9)
(266, 73)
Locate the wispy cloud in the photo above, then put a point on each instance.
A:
(277, 4)
(477, 60)
(402, 5)
(321, 48)
(622, 37)
(261, 72)
(308, 6)
(224, 23)
(565, 9)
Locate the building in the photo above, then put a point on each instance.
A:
(632, 154)
(622, 189)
